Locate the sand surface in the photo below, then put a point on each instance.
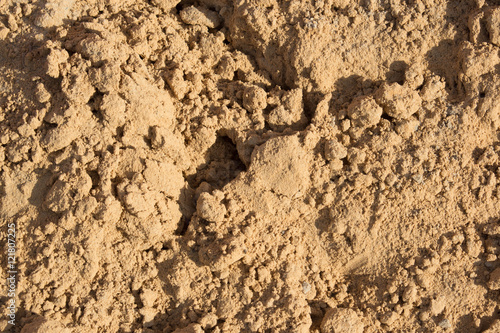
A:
(193, 166)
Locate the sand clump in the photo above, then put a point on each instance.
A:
(251, 166)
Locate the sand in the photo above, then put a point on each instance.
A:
(217, 166)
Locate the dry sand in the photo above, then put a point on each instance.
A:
(198, 166)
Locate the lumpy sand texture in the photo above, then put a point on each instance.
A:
(312, 166)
